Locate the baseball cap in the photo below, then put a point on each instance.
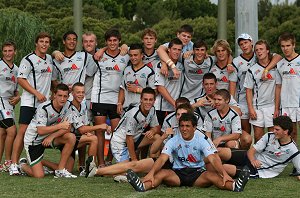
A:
(243, 36)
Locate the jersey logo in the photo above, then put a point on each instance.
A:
(48, 70)
(136, 82)
(4, 70)
(292, 71)
(38, 62)
(7, 113)
(222, 128)
(13, 79)
(269, 76)
(224, 79)
(191, 158)
(143, 75)
(74, 66)
(150, 65)
(116, 67)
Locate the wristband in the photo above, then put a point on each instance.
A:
(229, 64)
(266, 71)
(118, 103)
(172, 66)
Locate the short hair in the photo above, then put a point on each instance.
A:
(182, 100)
(149, 31)
(185, 106)
(69, 33)
(200, 43)
(221, 43)
(264, 42)
(9, 43)
(175, 41)
(136, 46)
(188, 117)
(186, 28)
(148, 90)
(62, 87)
(287, 36)
(89, 34)
(43, 35)
(284, 122)
(77, 84)
(210, 76)
(224, 93)
(113, 32)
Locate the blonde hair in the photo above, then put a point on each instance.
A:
(221, 43)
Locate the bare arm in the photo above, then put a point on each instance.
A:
(25, 85)
(86, 128)
(130, 146)
(232, 88)
(277, 100)
(121, 99)
(43, 130)
(251, 156)
(249, 98)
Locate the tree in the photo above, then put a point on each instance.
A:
(264, 8)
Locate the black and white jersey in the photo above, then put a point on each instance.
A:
(172, 84)
(143, 77)
(274, 156)
(74, 69)
(222, 125)
(45, 115)
(193, 77)
(38, 72)
(289, 75)
(108, 77)
(8, 80)
(241, 66)
(151, 60)
(134, 123)
(263, 90)
(221, 75)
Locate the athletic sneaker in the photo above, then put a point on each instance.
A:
(47, 171)
(90, 167)
(294, 172)
(135, 181)
(22, 161)
(2, 168)
(13, 169)
(242, 180)
(64, 173)
(82, 171)
(121, 179)
(5, 167)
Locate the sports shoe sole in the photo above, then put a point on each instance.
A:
(135, 181)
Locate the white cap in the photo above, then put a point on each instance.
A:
(243, 36)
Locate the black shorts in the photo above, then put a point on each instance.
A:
(26, 114)
(188, 176)
(161, 116)
(240, 159)
(167, 165)
(101, 109)
(34, 153)
(73, 154)
(6, 123)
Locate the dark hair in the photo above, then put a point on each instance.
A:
(209, 76)
(224, 93)
(112, 33)
(185, 106)
(285, 37)
(148, 90)
(9, 43)
(186, 28)
(182, 100)
(188, 117)
(264, 42)
(149, 31)
(43, 35)
(78, 84)
(62, 87)
(199, 43)
(68, 33)
(284, 122)
(136, 46)
(175, 41)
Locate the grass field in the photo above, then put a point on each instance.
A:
(23, 186)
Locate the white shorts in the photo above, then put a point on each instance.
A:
(119, 151)
(6, 110)
(245, 111)
(264, 117)
(292, 112)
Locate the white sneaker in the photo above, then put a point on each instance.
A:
(90, 167)
(82, 173)
(13, 169)
(64, 173)
(121, 179)
(22, 161)
(47, 171)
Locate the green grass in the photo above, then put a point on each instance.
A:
(23, 186)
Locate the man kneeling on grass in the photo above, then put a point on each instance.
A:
(188, 150)
(49, 129)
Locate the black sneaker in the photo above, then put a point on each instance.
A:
(135, 181)
(242, 180)
(294, 172)
(89, 166)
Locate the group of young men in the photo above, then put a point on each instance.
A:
(192, 112)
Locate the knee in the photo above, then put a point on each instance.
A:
(70, 137)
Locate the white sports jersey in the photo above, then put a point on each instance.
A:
(189, 154)
(263, 90)
(143, 77)
(221, 75)
(151, 60)
(172, 85)
(289, 73)
(241, 66)
(193, 75)
(38, 72)
(219, 126)
(77, 118)
(8, 80)
(45, 115)
(74, 69)
(133, 123)
(202, 111)
(274, 156)
(108, 78)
